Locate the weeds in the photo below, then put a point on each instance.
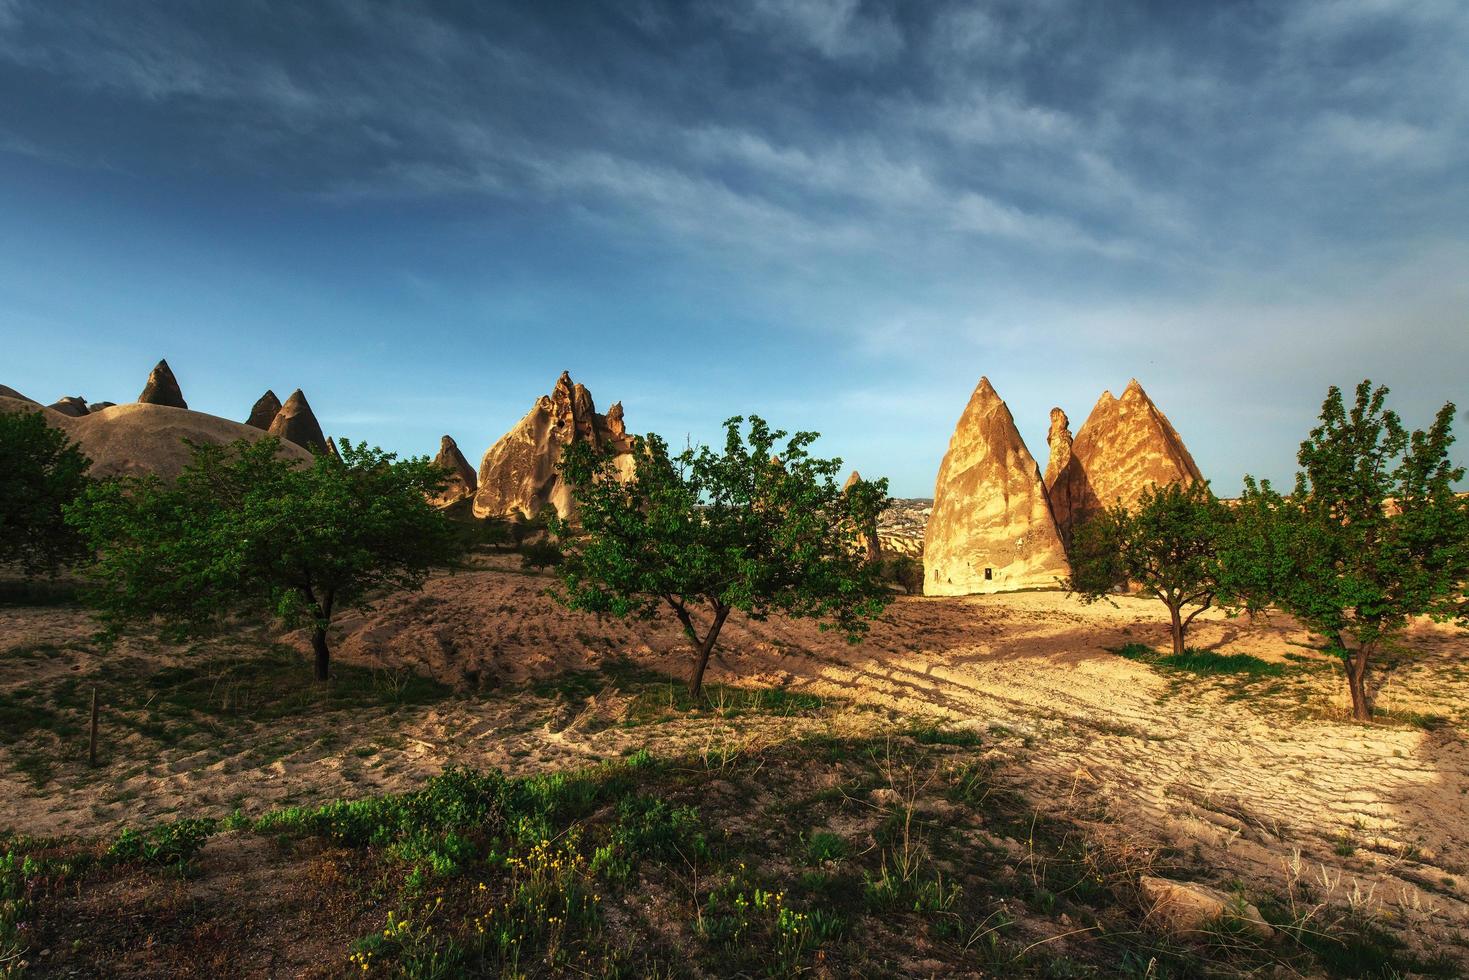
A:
(174, 844)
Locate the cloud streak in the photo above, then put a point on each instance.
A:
(937, 184)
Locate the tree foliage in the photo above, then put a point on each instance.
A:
(40, 473)
(706, 533)
(245, 529)
(1167, 546)
(1371, 536)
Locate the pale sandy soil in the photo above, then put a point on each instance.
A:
(1263, 777)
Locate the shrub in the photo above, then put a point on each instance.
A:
(175, 843)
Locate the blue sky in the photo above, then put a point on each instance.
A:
(833, 213)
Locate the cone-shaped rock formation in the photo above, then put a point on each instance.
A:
(518, 474)
(867, 537)
(264, 411)
(297, 423)
(1125, 446)
(461, 482)
(163, 388)
(991, 529)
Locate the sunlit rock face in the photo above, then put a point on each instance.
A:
(991, 529)
(462, 482)
(1125, 446)
(518, 475)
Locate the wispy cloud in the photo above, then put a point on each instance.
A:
(939, 185)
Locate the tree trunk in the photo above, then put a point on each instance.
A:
(1356, 665)
(696, 682)
(323, 619)
(1177, 626)
(323, 655)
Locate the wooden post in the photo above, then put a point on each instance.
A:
(92, 741)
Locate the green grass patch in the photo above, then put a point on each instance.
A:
(939, 735)
(1204, 662)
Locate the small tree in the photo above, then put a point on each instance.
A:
(1372, 535)
(1168, 546)
(40, 473)
(737, 530)
(244, 528)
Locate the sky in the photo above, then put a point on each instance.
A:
(836, 214)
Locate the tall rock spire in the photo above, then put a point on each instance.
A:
(1125, 446)
(991, 529)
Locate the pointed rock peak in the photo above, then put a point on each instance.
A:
(615, 423)
(518, 474)
(984, 400)
(264, 411)
(295, 422)
(462, 480)
(854, 478)
(162, 388)
(1134, 392)
(1060, 426)
(1058, 441)
(991, 528)
(1126, 445)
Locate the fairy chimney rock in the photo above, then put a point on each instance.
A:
(1125, 446)
(461, 481)
(518, 475)
(162, 388)
(991, 529)
(867, 542)
(295, 422)
(264, 411)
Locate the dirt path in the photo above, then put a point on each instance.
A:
(1263, 775)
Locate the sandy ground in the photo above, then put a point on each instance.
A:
(1264, 777)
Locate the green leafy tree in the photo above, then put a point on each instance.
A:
(707, 533)
(1372, 535)
(40, 473)
(905, 572)
(1167, 546)
(246, 529)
